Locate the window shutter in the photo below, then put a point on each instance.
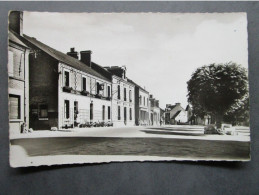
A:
(14, 107)
(10, 63)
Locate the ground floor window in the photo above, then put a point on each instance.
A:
(91, 111)
(125, 113)
(43, 111)
(130, 113)
(119, 113)
(103, 113)
(109, 112)
(75, 110)
(66, 109)
(14, 107)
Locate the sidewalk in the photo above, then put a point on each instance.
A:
(196, 132)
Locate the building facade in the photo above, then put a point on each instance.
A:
(123, 98)
(142, 107)
(49, 89)
(154, 111)
(65, 92)
(18, 73)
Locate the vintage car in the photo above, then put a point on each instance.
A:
(228, 129)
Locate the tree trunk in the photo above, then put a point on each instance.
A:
(219, 118)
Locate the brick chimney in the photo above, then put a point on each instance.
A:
(16, 22)
(86, 57)
(117, 70)
(73, 53)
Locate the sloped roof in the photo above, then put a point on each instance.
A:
(66, 59)
(131, 81)
(176, 114)
(14, 37)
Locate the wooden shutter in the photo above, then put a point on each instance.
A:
(14, 107)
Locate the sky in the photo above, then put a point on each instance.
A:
(160, 50)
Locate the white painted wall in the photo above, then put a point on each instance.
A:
(120, 102)
(182, 117)
(83, 101)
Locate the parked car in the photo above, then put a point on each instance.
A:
(228, 129)
(210, 129)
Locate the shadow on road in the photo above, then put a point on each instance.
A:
(171, 133)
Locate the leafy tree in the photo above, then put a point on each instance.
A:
(238, 112)
(215, 88)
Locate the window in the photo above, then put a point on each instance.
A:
(66, 109)
(10, 63)
(66, 79)
(91, 111)
(125, 94)
(43, 111)
(97, 87)
(109, 91)
(147, 101)
(130, 96)
(140, 100)
(75, 109)
(109, 112)
(144, 100)
(119, 92)
(84, 84)
(130, 113)
(119, 113)
(103, 112)
(125, 113)
(14, 107)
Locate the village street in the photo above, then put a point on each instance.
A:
(175, 141)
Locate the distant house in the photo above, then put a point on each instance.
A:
(196, 120)
(154, 111)
(175, 114)
(162, 116)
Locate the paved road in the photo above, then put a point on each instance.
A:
(182, 147)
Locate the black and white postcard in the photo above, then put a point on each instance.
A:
(104, 87)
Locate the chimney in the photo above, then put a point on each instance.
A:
(16, 22)
(73, 53)
(178, 104)
(150, 96)
(118, 71)
(86, 57)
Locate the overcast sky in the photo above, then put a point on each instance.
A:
(160, 51)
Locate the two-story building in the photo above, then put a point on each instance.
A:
(18, 72)
(65, 91)
(123, 97)
(142, 108)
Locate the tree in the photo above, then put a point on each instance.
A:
(239, 112)
(213, 89)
